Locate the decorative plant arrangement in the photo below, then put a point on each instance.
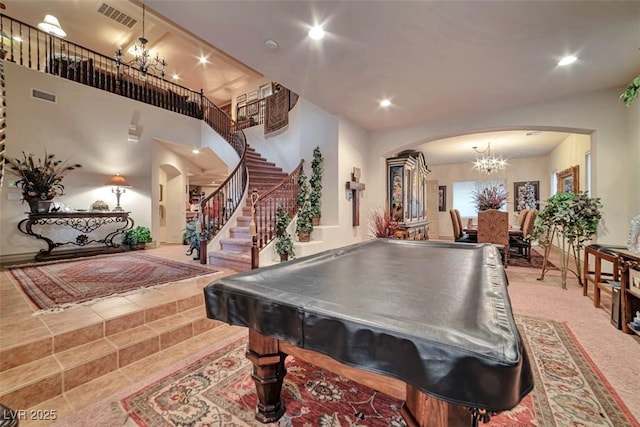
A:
(490, 196)
(316, 185)
(304, 224)
(381, 225)
(571, 219)
(41, 179)
(137, 237)
(284, 242)
(631, 92)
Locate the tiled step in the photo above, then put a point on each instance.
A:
(237, 261)
(29, 384)
(236, 245)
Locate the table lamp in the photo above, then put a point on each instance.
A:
(118, 184)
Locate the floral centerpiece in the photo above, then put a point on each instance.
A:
(40, 179)
(490, 196)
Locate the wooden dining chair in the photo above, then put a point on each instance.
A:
(523, 217)
(458, 234)
(493, 227)
(523, 243)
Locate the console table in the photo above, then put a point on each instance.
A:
(84, 223)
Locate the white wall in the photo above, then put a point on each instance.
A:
(571, 152)
(89, 127)
(614, 147)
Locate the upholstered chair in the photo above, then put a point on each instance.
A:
(523, 243)
(522, 218)
(458, 234)
(493, 227)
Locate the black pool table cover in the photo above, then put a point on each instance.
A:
(435, 315)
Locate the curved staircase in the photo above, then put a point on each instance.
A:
(235, 249)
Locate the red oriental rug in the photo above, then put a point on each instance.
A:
(218, 390)
(58, 285)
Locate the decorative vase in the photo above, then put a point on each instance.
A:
(315, 221)
(39, 205)
(284, 257)
(304, 236)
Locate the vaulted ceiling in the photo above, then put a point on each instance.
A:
(431, 59)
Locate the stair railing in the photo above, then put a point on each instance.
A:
(283, 194)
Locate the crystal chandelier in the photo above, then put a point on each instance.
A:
(142, 57)
(488, 163)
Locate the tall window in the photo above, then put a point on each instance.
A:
(554, 183)
(463, 199)
(587, 172)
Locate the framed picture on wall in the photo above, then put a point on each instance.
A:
(442, 198)
(252, 96)
(524, 193)
(568, 180)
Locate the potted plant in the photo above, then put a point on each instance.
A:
(381, 224)
(284, 242)
(490, 196)
(137, 237)
(40, 180)
(316, 186)
(304, 225)
(571, 219)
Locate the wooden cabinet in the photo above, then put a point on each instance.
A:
(629, 288)
(407, 194)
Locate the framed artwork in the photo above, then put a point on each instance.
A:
(266, 90)
(241, 99)
(525, 194)
(568, 180)
(442, 198)
(252, 96)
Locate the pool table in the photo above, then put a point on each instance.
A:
(429, 323)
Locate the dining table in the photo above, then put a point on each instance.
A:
(514, 230)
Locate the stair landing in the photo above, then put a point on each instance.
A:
(53, 356)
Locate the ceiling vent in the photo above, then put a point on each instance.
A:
(45, 96)
(117, 15)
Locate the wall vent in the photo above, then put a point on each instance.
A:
(46, 96)
(117, 15)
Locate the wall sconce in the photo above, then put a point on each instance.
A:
(133, 133)
(118, 184)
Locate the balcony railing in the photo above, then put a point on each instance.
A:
(30, 47)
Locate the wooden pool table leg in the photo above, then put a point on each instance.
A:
(268, 374)
(420, 410)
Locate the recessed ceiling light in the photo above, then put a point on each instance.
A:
(316, 32)
(203, 59)
(567, 60)
(271, 44)
(385, 103)
(176, 77)
(195, 151)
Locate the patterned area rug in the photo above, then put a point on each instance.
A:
(536, 261)
(218, 390)
(61, 284)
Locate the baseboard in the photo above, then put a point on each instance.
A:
(13, 259)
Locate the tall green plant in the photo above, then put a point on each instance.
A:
(304, 222)
(284, 242)
(571, 219)
(316, 183)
